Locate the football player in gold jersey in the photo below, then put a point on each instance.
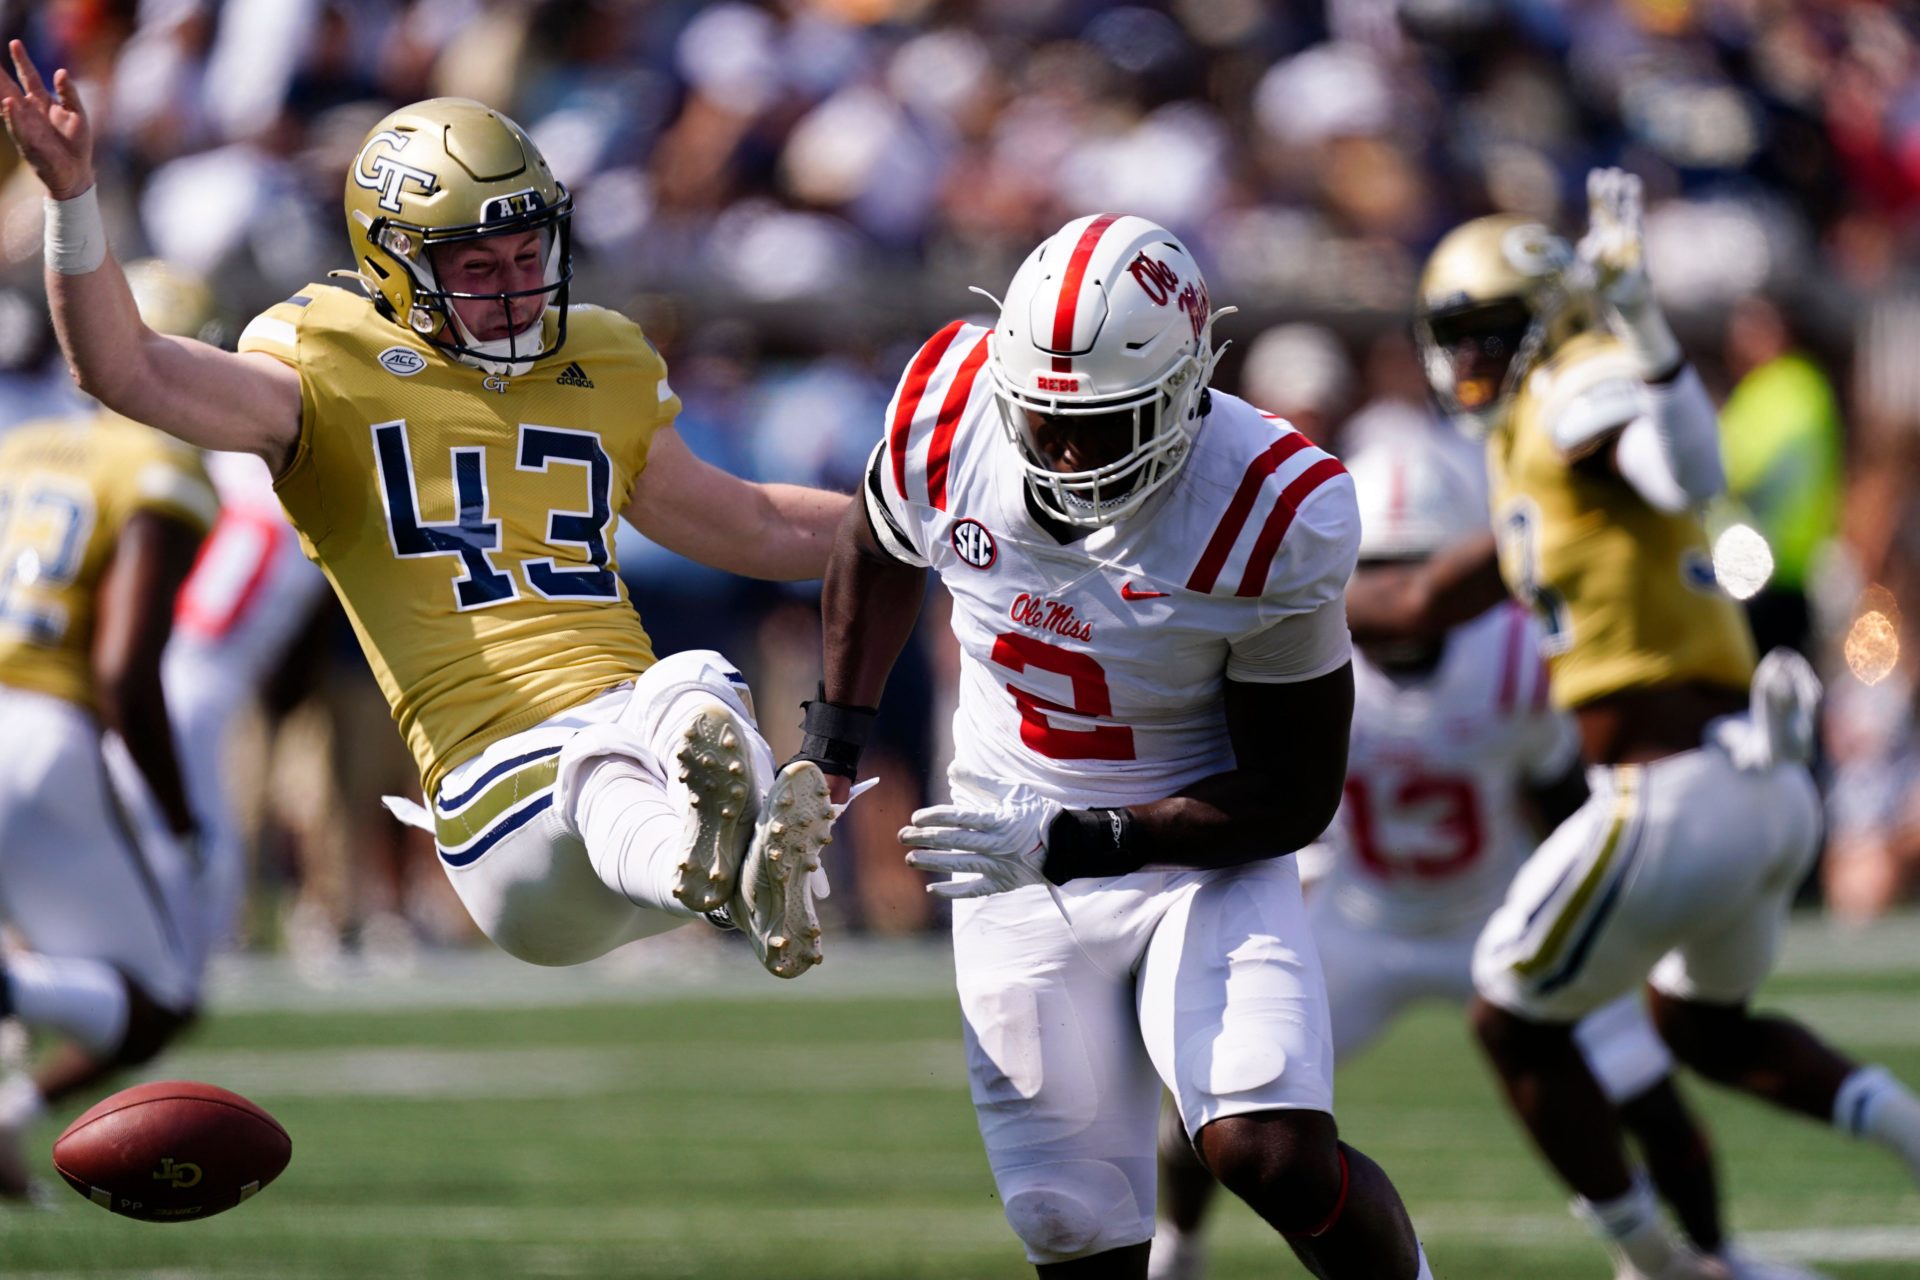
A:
(100, 519)
(454, 442)
(1679, 870)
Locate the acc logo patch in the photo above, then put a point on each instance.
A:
(973, 544)
(402, 362)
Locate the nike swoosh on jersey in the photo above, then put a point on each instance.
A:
(1128, 593)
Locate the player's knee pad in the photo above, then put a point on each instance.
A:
(1072, 1208)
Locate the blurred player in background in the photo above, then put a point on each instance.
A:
(454, 442)
(1146, 578)
(251, 598)
(1680, 867)
(100, 519)
(1458, 759)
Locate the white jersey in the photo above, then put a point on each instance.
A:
(1093, 671)
(1432, 829)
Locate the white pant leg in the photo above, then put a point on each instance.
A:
(1065, 1095)
(1372, 975)
(1687, 855)
(74, 879)
(1233, 1006)
(1622, 1049)
(508, 822)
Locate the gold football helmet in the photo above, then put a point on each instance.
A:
(1494, 301)
(439, 172)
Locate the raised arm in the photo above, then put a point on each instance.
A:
(778, 531)
(199, 393)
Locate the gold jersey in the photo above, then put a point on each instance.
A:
(67, 489)
(1627, 593)
(465, 518)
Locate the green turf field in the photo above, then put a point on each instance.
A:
(478, 1118)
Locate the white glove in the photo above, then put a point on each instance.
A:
(1004, 846)
(1780, 725)
(1612, 257)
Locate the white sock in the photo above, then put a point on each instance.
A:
(632, 831)
(1175, 1254)
(1631, 1224)
(1872, 1104)
(21, 1105)
(1425, 1272)
(85, 1000)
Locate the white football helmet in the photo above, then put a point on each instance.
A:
(1108, 314)
(1414, 498)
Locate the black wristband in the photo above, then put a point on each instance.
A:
(834, 734)
(1091, 842)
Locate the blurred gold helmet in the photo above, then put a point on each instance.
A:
(1493, 302)
(444, 171)
(173, 300)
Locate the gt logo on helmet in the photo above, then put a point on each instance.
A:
(387, 175)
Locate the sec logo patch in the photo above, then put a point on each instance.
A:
(972, 543)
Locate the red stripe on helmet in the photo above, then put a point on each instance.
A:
(919, 373)
(941, 450)
(1069, 304)
(1227, 532)
(1254, 581)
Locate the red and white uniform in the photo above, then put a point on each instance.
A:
(250, 592)
(1093, 672)
(1433, 828)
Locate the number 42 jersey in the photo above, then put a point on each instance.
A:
(466, 519)
(1093, 670)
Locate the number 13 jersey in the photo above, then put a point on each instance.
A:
(1093, 670)
(466, 519)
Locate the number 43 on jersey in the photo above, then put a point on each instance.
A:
(474, 537)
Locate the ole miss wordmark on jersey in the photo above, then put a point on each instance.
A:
(1432, 828)
(1093, 670)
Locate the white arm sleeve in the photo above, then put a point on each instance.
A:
(1671, 454)
(1300, 646)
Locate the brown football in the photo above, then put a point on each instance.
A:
(171, 1151)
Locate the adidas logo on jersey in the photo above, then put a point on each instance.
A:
(574, 376)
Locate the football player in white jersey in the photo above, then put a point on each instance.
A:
(1146, 579)
(454, 443)
(1457, 762)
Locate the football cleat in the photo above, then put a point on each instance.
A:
(773, 900)
(713, 782)
(1684, 1265)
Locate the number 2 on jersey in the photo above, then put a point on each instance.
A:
(1091, 697)
(475, 536)
(43, 539)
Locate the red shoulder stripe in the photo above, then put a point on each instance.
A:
(941, 450)
(1227, 532)
(1069, 304)
(1260, 562)
(919, 373)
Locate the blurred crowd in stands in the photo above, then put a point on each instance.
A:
(790, 194)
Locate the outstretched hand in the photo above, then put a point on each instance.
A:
(50, 128)
(1614, 248)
